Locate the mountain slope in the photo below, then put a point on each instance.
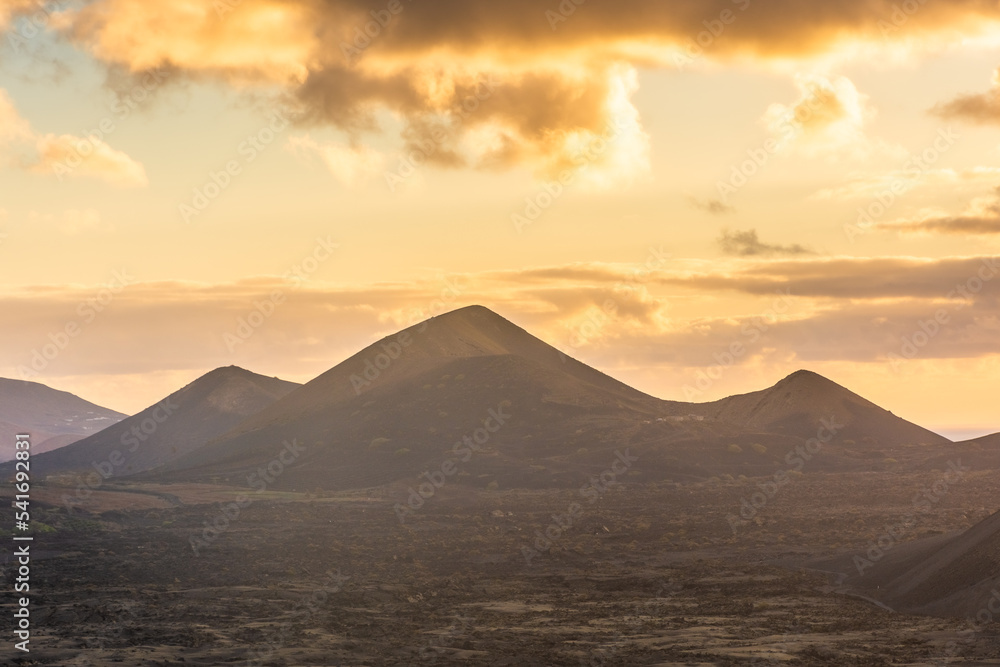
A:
(175, 426)
(940, 576)
(796, 404)
(397, 409)
(53, 418)
(986, 441)
(401, 404)
(980, 454)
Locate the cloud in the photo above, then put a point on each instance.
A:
(747, 244)
(827, 120)
(245, 42)
(69, 156)
(901, 181)
(981, 218)
(65, 156)
(853, 278)
(711, 205)
(11, 9)
(981, 108)
(349, 64)
(353, 166)
(13, 128)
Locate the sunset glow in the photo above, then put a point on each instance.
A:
(647, 186)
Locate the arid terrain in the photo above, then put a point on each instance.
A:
(648, 574)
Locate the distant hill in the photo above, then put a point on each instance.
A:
(940, 576)
(796, 404)
(397, 408)
(53, 418)
(175, 426)
(980, 454)
(985, 442)
(418, 400)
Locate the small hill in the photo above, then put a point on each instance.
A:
(175, 426)
(940, 576)
(979, 454)
(797, 404)
(985, 442)
(53, 418)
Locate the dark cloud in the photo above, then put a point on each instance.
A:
(747, 244)
(854, 278)
(979, 108)
(560, 78)
(713, 206)
(981, 219)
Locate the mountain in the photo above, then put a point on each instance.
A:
(797, 404)
(956, 575)
(53, 418)
(980, 454)
(985, 442)
(418, 400)
(398, 407)
(173, 427)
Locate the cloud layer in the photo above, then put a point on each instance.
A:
(981, 218)
(533, 84)
(835, 309)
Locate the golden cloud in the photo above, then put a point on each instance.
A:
(981, 218)
(568, 70)
(11, 9)
(12, 127)
(65, 156)
(865, 302)
(981, 108)
(353, 166)
(827, 120)
(252, 41)
(69, 156)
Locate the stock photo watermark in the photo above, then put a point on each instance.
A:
(471, 443)
(87, 311)
(220, 181)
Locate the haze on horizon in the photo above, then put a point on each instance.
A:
(697, 198)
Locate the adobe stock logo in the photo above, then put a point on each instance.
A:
(463, 450)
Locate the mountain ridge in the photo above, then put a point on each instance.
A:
(175, 425)
(53, 417)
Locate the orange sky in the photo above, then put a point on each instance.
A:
(648, 186)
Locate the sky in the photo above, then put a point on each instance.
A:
(697, 197)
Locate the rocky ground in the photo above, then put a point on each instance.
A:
(646, 574)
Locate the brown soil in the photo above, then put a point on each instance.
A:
(649, 574)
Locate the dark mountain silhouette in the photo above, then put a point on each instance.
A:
(175, 426)
(400, 405)
(397, 409)
(53, 418)
(796, 404)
